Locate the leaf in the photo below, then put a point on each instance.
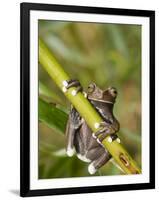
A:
(53, 117)
(45, 91)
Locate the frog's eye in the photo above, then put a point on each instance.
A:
(91, 87)
(113, 91)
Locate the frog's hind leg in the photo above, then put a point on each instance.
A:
(82, 140)
(70, 134)
(73, 124)
(99, 162)
(80, 147)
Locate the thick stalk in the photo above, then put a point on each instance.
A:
(86, 110)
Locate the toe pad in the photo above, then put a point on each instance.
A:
(91, 169)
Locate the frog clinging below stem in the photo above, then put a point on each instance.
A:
(80, 138)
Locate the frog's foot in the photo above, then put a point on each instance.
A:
(106, 130)
(83, 158)
(73, 83)
(99, 162)
(111, 137)
(70, 151)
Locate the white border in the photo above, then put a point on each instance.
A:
(86, 181)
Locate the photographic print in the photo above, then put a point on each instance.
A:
(86, 95)
(106, 59)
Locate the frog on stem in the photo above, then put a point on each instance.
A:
(80, 138)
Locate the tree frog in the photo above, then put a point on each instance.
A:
(80, 138)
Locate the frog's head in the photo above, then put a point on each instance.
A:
(95, 93)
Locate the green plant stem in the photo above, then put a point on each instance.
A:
(86, 110)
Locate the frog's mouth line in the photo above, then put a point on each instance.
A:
(110, 102)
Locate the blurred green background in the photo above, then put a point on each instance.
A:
(107, 54)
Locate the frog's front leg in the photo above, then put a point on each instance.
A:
(74, 83)
(106, 129)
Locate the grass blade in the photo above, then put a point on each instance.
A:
(53, 117)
